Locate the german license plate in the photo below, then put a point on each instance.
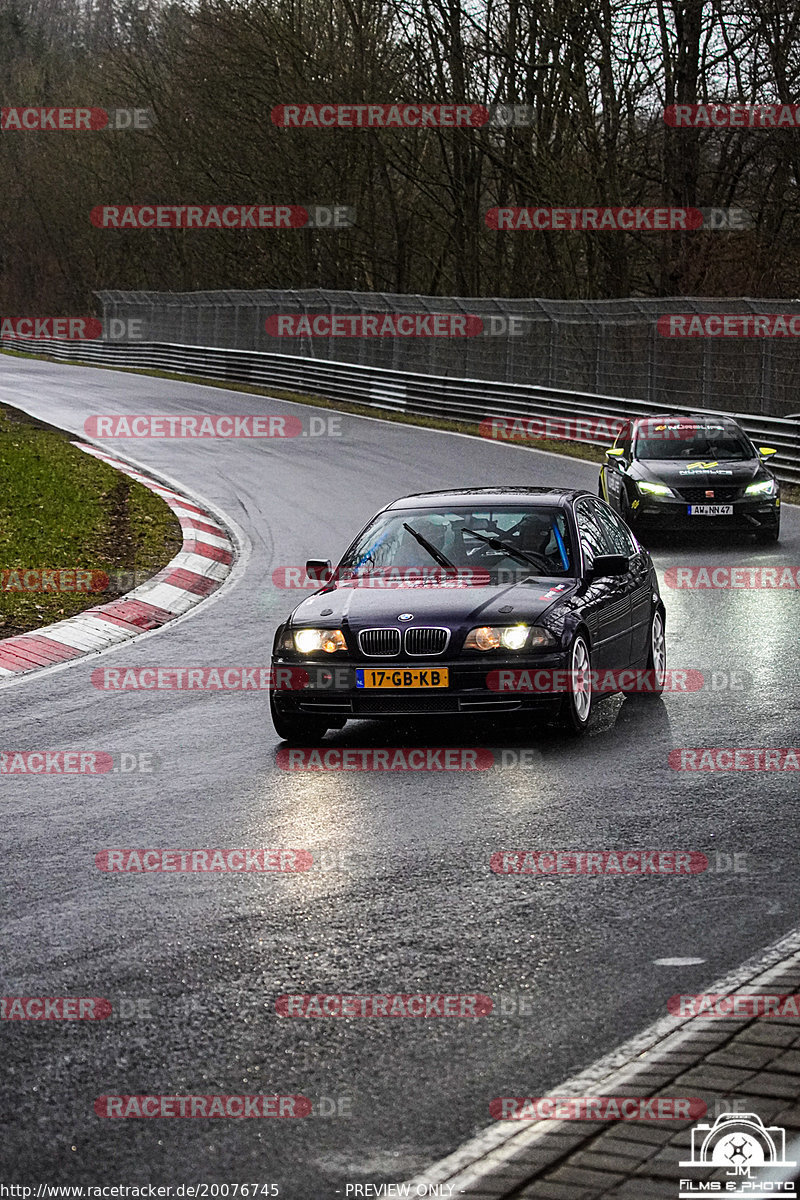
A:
(394, 677)
(710, 510)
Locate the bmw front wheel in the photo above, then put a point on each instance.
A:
(576, 707)
(656, 669)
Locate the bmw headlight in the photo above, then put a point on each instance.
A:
(307, 641)
(654, 489)
(764, 487)
(508, 637)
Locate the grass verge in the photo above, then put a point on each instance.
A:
(61, 509)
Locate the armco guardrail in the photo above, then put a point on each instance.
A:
(469, 400)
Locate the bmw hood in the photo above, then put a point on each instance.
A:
(360, 606)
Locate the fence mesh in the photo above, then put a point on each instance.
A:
(609, 347)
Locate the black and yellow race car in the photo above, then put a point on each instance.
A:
(689, 472)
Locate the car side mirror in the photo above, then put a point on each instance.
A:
(319, 569)
(766, 451)
(616, 456)
(609, 564)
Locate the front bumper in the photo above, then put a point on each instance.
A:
(748, 514)
(330, 690)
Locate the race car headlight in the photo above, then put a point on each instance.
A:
(654, 489)
(764, 487)
(508, 637)
(307, 641)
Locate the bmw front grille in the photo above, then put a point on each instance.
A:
(423, 642)
(426, 641)
(379, 643)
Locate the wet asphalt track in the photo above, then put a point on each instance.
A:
(413, 905)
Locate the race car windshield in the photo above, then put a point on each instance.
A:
(528, 541)
(708, 442)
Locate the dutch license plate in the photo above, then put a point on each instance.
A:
(710, 510)
(394, 677)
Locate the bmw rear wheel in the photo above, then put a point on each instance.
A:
(576, 707)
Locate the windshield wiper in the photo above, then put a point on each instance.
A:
(536, 560)
(435, 554)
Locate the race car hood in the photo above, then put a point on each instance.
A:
(680, 473)
(360, 606)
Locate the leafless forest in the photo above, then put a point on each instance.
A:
(597, 73)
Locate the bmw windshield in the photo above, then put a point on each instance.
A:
(531, 540)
